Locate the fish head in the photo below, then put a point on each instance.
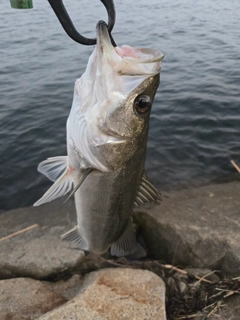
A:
(114, 98)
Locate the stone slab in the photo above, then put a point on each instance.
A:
(119, 294)
(24, 298)
(38, 252)
(196, 228)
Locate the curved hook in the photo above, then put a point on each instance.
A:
(61, 12)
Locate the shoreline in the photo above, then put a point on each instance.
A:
(190, 235)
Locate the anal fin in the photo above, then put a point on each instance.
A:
(73, 235)
(127, 244)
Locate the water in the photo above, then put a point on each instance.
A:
(195, 119)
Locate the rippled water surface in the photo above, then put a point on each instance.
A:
(195, 120)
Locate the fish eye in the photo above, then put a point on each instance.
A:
(142, 104)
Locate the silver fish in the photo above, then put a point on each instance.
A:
(107, 133)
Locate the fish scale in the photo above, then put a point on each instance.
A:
(110, 205)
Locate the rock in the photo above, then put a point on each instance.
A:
(196, 227)
(39, 253)
(24, 298)
(119, 294)
(228, 310)
(67, 288)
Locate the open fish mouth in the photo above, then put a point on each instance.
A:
(126, 60)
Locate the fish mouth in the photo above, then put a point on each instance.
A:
(126, 60)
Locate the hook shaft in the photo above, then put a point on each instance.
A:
(66, 22)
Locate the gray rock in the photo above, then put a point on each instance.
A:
(228, 310)
(196, 228)
(38, 252)
(119, 294)
(24, 298)
(66, 288)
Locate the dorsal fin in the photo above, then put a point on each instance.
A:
(146, 192)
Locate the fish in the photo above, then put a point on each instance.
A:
(107, 132)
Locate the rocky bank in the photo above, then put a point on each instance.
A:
(192, 271)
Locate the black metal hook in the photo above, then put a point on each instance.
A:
(61, 12)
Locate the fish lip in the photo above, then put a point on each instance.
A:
(101, 25)
(102, 32)
(103, 36)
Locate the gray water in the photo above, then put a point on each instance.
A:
(195, 119)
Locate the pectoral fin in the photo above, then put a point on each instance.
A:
(57, 169)
(54, 167)
(127, 244)
(146, 192)
(73, 235)
(58, 189)
(83, 176)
